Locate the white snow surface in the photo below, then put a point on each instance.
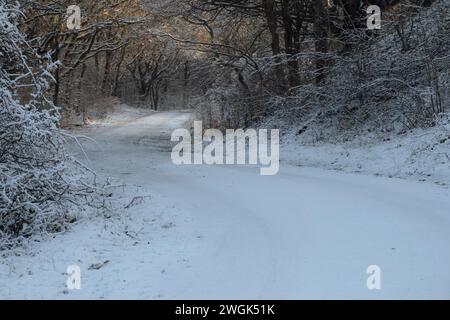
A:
(226, 232)
(421, 155)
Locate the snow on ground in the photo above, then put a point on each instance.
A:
(421, 155)
(140, 251)
(120, 114)
(225, 232)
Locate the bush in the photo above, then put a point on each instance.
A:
(391, 80)
(40, 185)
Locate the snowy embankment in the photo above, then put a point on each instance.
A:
(226, 232)
(119, 114)
(421, 155)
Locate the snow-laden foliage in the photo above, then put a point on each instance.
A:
(38, 180)
(388, 80)
(395, 79)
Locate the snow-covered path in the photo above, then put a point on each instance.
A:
(304, 233)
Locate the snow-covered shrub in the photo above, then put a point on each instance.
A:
(233, 100)
(393, 81)
(41, 187)
(387, 81)
(221, 108)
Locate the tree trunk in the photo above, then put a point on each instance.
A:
(271, 17)
(289, 40)
(117, 76)
(321, 42)
(107, 71)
